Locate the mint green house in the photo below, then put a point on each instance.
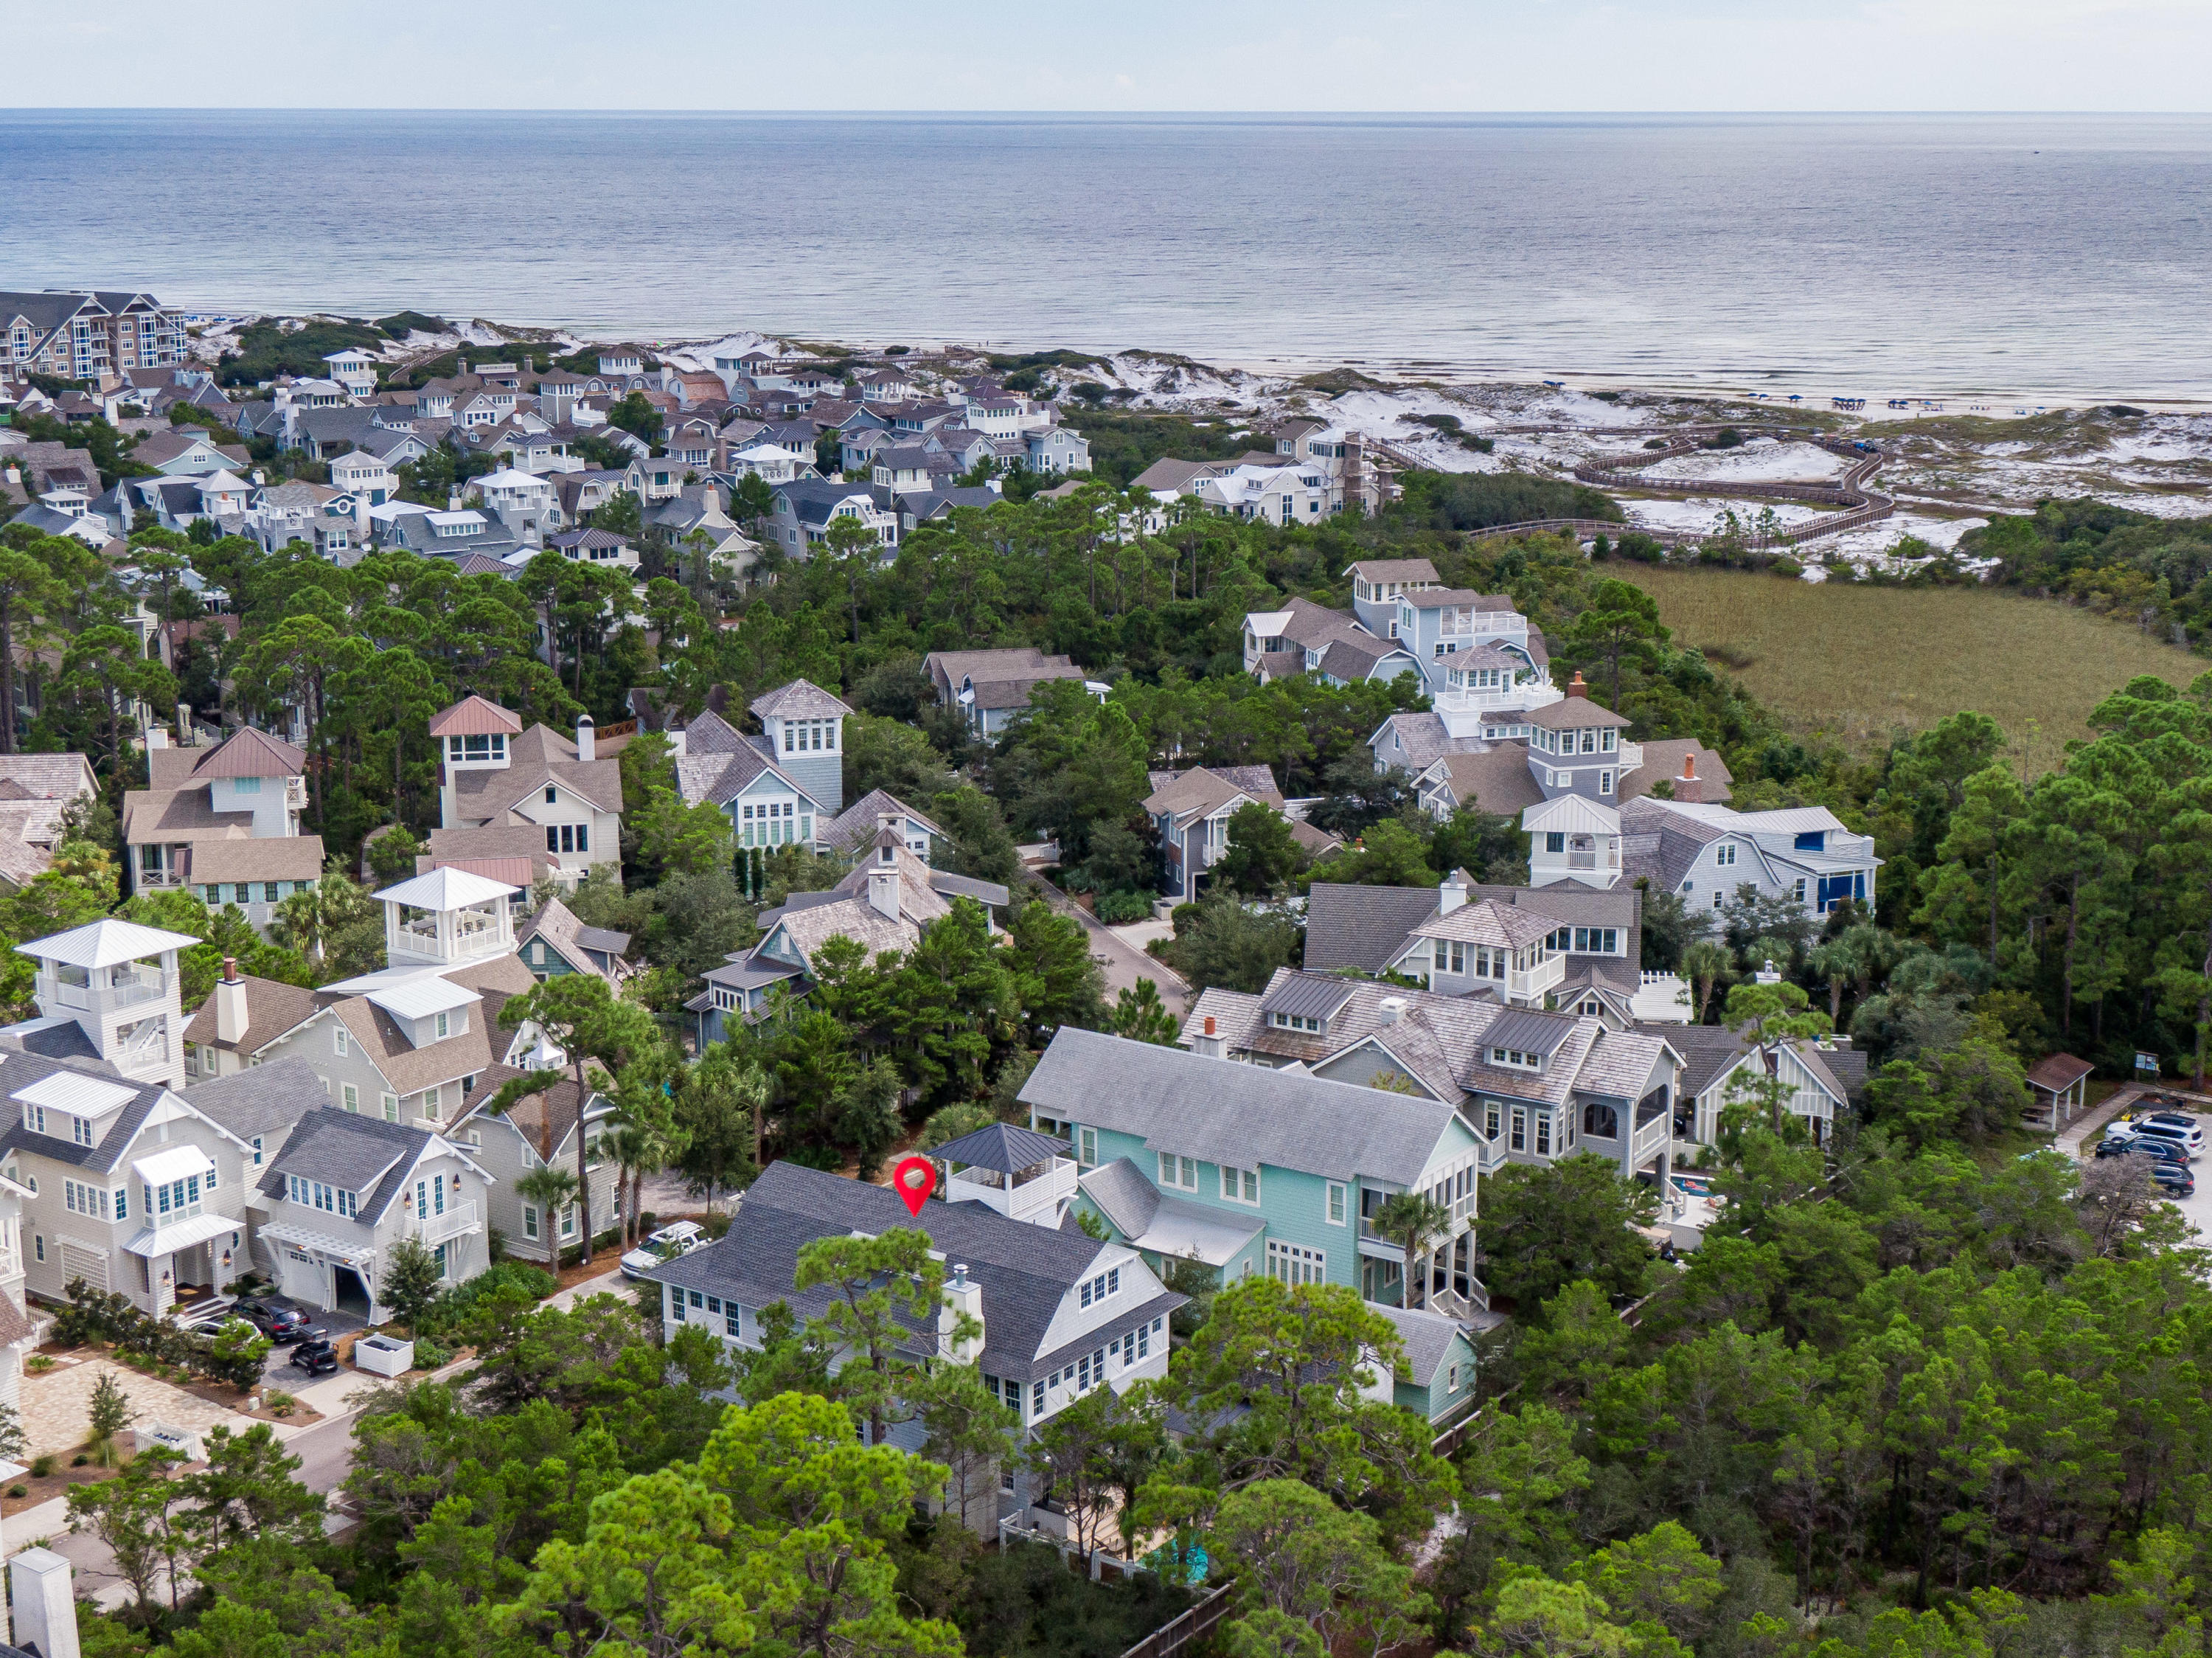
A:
(1248, 1170)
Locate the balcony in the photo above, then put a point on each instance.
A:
(133, 988)
(295, 794)
(1028, 1195)
(1533, 983)
(435, 1229)
(1655, 1126)
(146, 1043)
(1507, 699)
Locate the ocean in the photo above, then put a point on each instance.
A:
(2014, 258)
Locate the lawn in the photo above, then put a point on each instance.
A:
(1862, 664)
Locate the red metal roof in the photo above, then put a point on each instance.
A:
(473, 717)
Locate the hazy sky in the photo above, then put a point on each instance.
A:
(1424, 55)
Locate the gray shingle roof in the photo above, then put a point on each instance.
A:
(1224, 1112)
(1428, 1338)
(18, 1072)
(1362, 927)
(348, 1150)
(1025, 1271)
(261, 1100)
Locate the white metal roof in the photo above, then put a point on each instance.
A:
(1572, 814)
(171, 1163)
(420, 997)
(75, 1092)
(183, 1235)
(106, 943)
(442, 889)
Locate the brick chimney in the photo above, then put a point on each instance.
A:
(1690, 788)
(1576, 687)
(1207, 1042)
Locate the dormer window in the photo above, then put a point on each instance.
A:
(1294, 1022)
(1515, 1059)
(887, 855)
(246, 785)
(445, 1026)
(318, 1194)
(80, 1130)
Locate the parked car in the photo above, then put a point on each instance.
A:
(317, 1358)
(677, 1238)
(2173, 1118)
(2123, 1145)
(2191, 1138)
(282, 1325)
(2175, 1178)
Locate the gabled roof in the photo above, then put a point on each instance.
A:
(2058, 1071)
(1489, 922)
(272, 1007)
(473, 717)
(359, 1152)
(1224, 1113)
(857, 824)
(1025, 1272)
(1362, 927)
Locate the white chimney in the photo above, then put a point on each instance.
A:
(156, 737)
(883, 891)
(183, 725)
(1768, 974)
(230, 1003)
(962, 1297)
(1207, 1042)
(45, 1604)
(1451, 893)
(587, 738)
(1390, 1010)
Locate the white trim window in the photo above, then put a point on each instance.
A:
(1240, 1185)
(1086, 1147)
(1334, 1207)
(1178, 1171)
(529, 1221)
(1295, 1264)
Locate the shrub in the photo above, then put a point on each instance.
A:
(280, 1403)
(716, 1225)
(39, 1363)
(430, 1355)
(42, 1467)
(79, 1460)
(19, 1490)
(453, 1309)
(1118, 909)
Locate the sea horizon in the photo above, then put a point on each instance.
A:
(1869, 253)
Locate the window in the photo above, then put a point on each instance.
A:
(552, 795)
(34, 1118)
(529, 1220)
(730, 1321)
(430, 1104)
(1086, 1141)
(1555, 842)
(1490, 1110)
(38, 1245)
(1605, 779)
(351, 1096)
(676, 1305)
(1294, 1264)
(1106, 1283)
(1240, 1185)
(1333, 1202)
(338, 1042)
(1724, 854)
(80, 1130)
(1717, 896)
(569, 1222)
(1178, 1171)
(1543, 1134)
(1813, 840)
(390, 1107)
(1037, 1389)
(444, 1026)
(1797, 892)
(1520, 1127)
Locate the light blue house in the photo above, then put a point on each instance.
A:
(768, 805)
(1188, 1156)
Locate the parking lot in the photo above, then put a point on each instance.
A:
(2197, 1208)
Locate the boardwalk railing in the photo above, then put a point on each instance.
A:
(1185, 1630)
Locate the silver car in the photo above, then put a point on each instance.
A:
(677, 1238)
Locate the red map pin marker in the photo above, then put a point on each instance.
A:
(912, 1180)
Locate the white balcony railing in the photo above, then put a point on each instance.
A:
(436, 1228)
(131, 989)
(1019, 1202)
(1506, 699)
(1631, 756)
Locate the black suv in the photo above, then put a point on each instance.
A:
(282, 1325)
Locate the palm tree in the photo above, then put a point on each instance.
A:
(1706, 964)
(550, 1187)
(1416, 1222)
(1838, 963)
(641, 1147)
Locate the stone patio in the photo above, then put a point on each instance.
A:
(57, 1406)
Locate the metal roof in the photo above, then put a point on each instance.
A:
(73, 1092)
(443, 889)
(418, 999)
(1307, 997)
(473, 717)
(1525, 1030)
(106, 943)
(1005, 1147)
